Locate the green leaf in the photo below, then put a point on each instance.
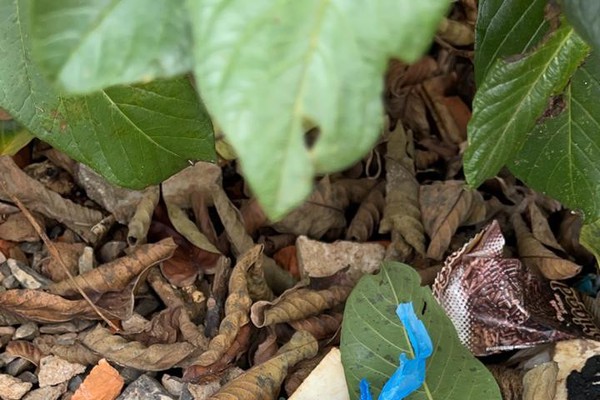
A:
(513, 95)
(86, 45)
(504, 28)
(584, 15)
(590, 238)
(265, 67)
(560, 156)
(133, 135)
(373, 338)
(12, 137)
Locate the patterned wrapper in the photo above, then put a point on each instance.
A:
(497, 304)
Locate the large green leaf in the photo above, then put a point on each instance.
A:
(504, 28)
(265, 67)
(513, 96)
(584, 15)
(373, 338)
(12, 137)
(86, 45)
(133, 135)
(561, 156)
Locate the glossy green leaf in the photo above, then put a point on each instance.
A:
(584, 15)
(12, 137)
(590, 238)
(133, 135)
(265, 67)
(86, 45)
(513, 96)
(373, 338)
(505, 28)
(560, 156)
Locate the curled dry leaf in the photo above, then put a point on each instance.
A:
(401, 215)
(446, 206)
(255, 276)
(102, 383)
(202, 374)
(296, 304)
(74, 352)
(267, 348)
(116, 275)
(26, 350)
(39, 199)
(40, 306)
(537, 257)
(568, 237)
(302, 370)
(456, 33)
(157, 357)
(277, 279)
(189, 230)
(540, 228)
(433, 93)
(368, 215)
(322, 326)
(237, 307)
(196, 179)
(264, 381)
(140, 222)
(324, 209)
(288, 260)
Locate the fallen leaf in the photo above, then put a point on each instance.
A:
(326, 380)
(539, 383)
(26, 350)
(368, 215)
(140, 221)
(44, 307)
(17, 228)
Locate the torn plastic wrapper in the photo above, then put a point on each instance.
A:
(497, 304)
(410, 374)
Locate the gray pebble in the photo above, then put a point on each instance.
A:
(145, 388)
(27, 331)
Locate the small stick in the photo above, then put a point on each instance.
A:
(54, 252)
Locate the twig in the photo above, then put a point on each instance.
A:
(54, 252)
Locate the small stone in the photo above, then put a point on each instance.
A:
(18, 366)
(145, 388)
(10, 282)
(27, 331)
(12, 388)
(75, 382)
(31, 247)
(6, 358)
(46, 393)
(130, 374)
(55, 370)
(28, 376)
(111, 251)
(203, 391)
(86, 260)
(173, 384)
(7, 330)
(66, 339)
(26, 275)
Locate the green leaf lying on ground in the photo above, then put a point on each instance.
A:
(557, 157)
(584, 15)
(373, 338)
(506, 27)
(513, 96)
(91, 44)
(12, 137)
(265, 68)
(133, 135)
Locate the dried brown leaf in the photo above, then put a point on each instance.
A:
(433, 93)
(17, 228)
(39, 199)
(74, 352)
(237, 307)
(401, 215)
(539, 258)
(140, 222)
(44, 307)
(296, 304)
(26, 350)
(203, 374)
(539, 383)
(456, 33)
(116, 275)
(163, 328)
(288, 260)
(446, 206)
(102, 383)
(302, 370)
(197, 179)
(277, 279)
(368, 215)
(189, 230)
(324, 209)
(263, 381)
(267, 348)
(540, 228)
(322, 326)
(509, 380)
(157, 357)
(69, 253)
(568, 237)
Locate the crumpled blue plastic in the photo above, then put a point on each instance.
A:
(410, 374)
